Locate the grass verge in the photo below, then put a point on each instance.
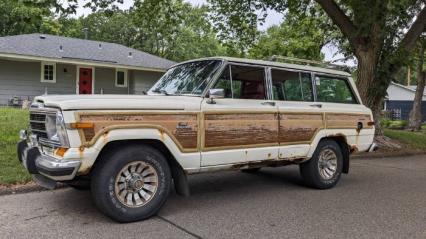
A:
(413, 140)
(11, 121)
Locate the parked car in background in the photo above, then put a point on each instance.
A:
(203, 115)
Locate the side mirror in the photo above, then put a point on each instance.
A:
(215, 94)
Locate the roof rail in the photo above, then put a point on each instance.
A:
(294, 60)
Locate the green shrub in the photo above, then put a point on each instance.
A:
(397, 124)
(393, 124)
(385, 123)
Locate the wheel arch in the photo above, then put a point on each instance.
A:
(342, 142)
(178, 173)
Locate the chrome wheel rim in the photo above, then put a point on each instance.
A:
(136, 184)
(327, 164)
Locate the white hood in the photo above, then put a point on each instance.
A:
(121, 102)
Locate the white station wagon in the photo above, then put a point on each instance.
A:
(203, 115)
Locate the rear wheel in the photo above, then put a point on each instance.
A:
(324, 169)
(131, 184)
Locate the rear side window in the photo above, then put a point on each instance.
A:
(291, 86)
(242, 82)
(334, 90)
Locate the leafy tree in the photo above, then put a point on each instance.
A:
(174, 29)
(296, 36)
(109, 26)
(196, 37)
(20, 17)
(380, 33)
(159, 23)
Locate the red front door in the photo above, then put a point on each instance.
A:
(85, 81)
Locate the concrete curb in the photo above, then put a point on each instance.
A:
(25, 188)
(391, 154)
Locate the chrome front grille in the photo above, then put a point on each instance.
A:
(38, 124)
(38, 117)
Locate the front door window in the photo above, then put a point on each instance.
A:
(243, 82)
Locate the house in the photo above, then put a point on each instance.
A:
(36, 64)
(400, 100)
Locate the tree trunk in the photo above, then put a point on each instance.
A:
(415, 121)
(368, 87)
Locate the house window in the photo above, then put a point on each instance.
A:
(48, 72)
(121, 78)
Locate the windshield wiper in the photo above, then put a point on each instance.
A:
(161, 92)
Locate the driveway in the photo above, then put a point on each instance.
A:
(380, 198)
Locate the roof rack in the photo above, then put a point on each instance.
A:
(294, 60)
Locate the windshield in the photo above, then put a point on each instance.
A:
(189, 78)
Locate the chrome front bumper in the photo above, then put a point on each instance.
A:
(37, 162)
(58, 170)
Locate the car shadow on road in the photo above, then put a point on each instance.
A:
(219, 187)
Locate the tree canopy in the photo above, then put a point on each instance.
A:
(297, 36)
(379, 33)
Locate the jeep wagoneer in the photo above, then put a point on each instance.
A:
(203, 115)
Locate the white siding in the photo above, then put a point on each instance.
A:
(398, 93)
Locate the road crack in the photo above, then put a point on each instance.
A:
(37, 217)
(179, 227)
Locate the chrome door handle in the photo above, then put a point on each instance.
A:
(271, 103)
(316, 105)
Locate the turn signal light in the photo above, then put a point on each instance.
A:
(61, 151)
(82, 125)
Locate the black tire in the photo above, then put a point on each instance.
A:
(310, 170)
(103, 183)
(250, 170)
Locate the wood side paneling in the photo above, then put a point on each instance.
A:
(223, 130)
(182, 127)
(299, 127)
(240, 129)
(342, 120)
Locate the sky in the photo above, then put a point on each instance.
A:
(273, 18)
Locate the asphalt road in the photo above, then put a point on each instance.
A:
(380, 198)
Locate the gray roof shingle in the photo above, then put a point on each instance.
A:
(44, 45)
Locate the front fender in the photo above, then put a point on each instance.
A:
(189, 161)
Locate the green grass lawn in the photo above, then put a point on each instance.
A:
(11, 121)
(414, 140)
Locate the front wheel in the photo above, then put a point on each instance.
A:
(324, 169)
(132, 183)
